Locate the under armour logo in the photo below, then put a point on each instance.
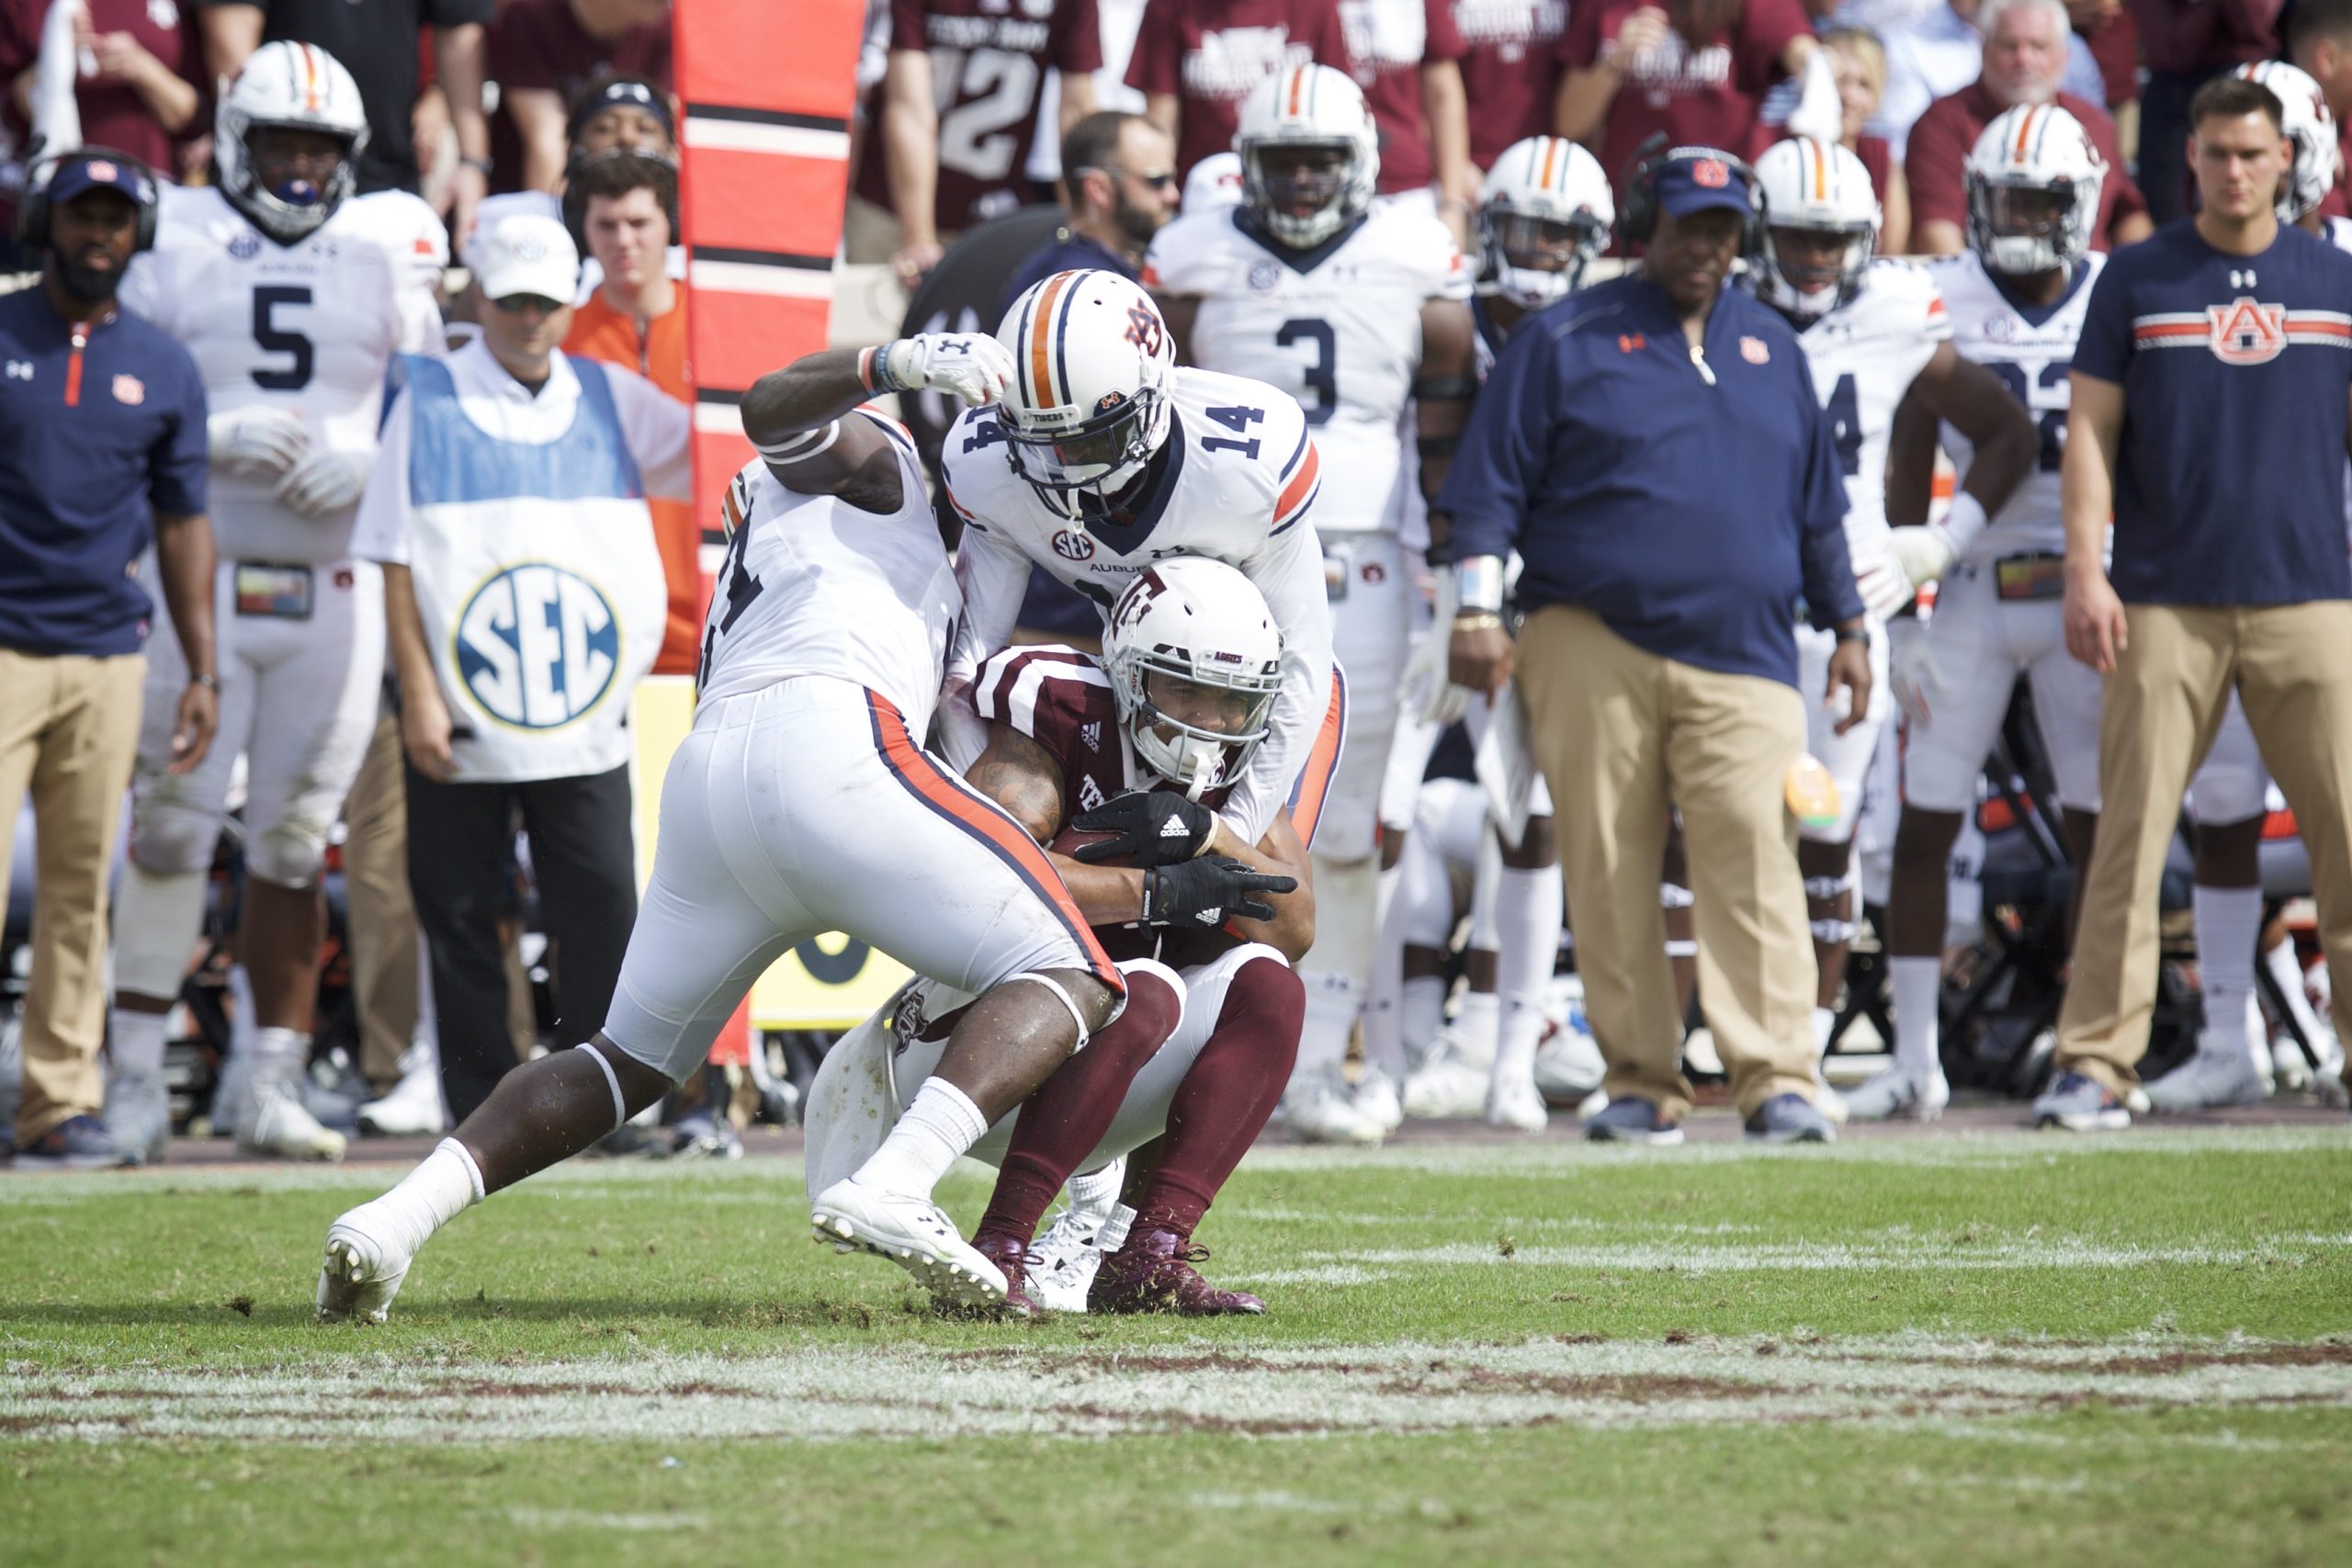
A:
(2241, 278)
(20, 370)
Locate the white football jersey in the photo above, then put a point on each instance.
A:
(1339, 328)
(311, 326)
(2032, 349)
(813, 586)
(1236, 483)
(1865, 355)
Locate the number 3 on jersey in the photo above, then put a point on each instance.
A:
(1321, 375)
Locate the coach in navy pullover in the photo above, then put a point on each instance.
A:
(1653, 449)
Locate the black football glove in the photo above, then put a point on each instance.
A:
(1204, 892)
(1157, 827)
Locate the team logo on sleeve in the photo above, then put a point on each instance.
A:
(2245, 332)
(538, 647)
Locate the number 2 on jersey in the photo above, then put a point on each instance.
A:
(271, 338)
(1321, 377)
(2051, 420)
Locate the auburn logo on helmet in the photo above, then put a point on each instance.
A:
(1144, 328)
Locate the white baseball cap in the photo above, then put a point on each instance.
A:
(528, 254)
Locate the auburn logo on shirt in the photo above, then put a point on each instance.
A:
(2245, 332)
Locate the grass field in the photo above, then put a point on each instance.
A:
(1950, 1350)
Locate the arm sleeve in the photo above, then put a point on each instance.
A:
(1503, 448)
(1443, 39)
(180, 464)
(1075, 47)
(379, 532)
(1288, 570)
(1932, 161)
(2104, 349)
(1156, 66)
(906, 24)
(660, 432)
(1828, 569)
(1579, 45)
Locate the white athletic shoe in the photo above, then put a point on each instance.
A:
(1065, 1259)
(2291, 1073)
(138, 1115)
(1449, 1084)
(276, 1124)
(1321, 1108)
(1569, 1067)
(412, 1108)
(1892, 1093)
(362, 1272)
(912, 1232)
(2208, 1079)
(1376, 1098)
(1517, 1105)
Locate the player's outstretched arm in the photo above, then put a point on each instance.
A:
(794, 415)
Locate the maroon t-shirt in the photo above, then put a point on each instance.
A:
(1706, 96)
(1511, 69)
(537, 45)
(2115, 46)
(1391, 39)
(1938, 154)
(1210, 53)
(997, 56)
(2187, 36)
(113, 114)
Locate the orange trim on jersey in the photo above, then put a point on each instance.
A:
(733, 514)
(991, 826)
(1041, 342)
(1322, 762)
(1301, 486)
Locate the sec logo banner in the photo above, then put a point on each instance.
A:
(538, 647)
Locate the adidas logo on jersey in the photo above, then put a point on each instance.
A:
(1092, 734)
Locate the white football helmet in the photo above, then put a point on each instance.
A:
(2033, 186)
(1195, 661)
(1544, 215)
(1088, 405)
(298, 86)
(2310, 130)
(1819, 185)
(1307, 108)
(1215, 182)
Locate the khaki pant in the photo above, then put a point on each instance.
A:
(1618, 734)
(2292, 667)
(382, 921)
(69, 731)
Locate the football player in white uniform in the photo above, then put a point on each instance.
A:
(2230, 796)
(802, 802)
(2017, 299)
(1360, 310)
(1874, 332)
(1544, 214)
(293, 295)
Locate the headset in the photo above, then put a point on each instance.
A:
(33, 209)
(1637, 215)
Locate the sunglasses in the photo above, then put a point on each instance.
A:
(520, 304)
(1164, 180)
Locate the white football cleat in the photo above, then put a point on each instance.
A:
(362, 1273)
(412, 1108)
(1569, 1067)
(2208, 1079)
(138, 1115)
(912, 1232)
(1064, 1259)
(1376, 1100)
(1449, 1084)
(1320, 1109)
(1517, 1105)
(1894, 1093)
(277, 1125)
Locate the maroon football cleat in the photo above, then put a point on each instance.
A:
(1012, 1256)
(1153, 1272)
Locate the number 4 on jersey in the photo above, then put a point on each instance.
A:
(1238, 420)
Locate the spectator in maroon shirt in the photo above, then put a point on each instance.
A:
(1196, 61)
(2319, 40)
(2186, 42)
(1407, 59)
(146, 95)
(542, 52)
(1511, 69)
(2114, 40)
(2025, 56)
(1695, 70)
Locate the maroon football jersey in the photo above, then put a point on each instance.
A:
(1210, 53)
(1509, 70)
(988, 60)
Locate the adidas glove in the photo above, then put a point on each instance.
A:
(1157, 827)
(973, 366)
(1204, 892)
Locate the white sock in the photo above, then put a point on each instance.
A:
(1823, 1020)
(1114, 1233)
(1420, 1016)
(941, 1124)
(1477, 1022)
(1093, 1191)
(136, 1039)
(1333, 1004)
(444, 1184)
(1529, 912)
(2287, 970)
(2229, 922)
(1382, 1024)
(1917, 985)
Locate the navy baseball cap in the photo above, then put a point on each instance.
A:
(1695, 179)
(79, 176)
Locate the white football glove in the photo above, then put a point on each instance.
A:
(1819, 113)
(1924, 553)
(325, 482)
(973, 366)
(1886, 587)
(1912, 670)
(258, 440)
(1442, 702)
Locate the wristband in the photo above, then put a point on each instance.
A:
(483, 164)
(801, 445)
(1440, 388)
(1477, 621)
(210, 682)
(1854, 634)
(1964, 521)
(874, 369)
(1478, 584)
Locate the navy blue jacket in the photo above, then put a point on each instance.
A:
(1691, 518)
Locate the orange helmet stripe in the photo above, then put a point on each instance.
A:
(2025, 125)
(1820, 170)
(1041, 341)
(1298, 85)
(1551, 156)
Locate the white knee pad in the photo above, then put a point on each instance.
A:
(156, 922)
(169, 838)
(1038, 977)
(288, 853)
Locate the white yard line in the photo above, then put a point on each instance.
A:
(831, 1395)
